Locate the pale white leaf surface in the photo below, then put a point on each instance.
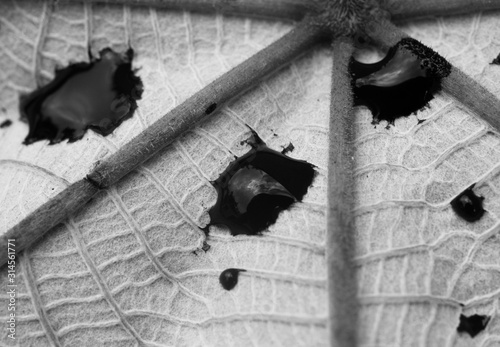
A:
(122, 271)
(418, 261)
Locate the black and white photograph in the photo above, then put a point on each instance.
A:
(250, 173)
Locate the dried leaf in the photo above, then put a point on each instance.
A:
(123, 271)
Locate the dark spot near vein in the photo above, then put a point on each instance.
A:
(205, 246)
(420, 121)
(288, 148)
(229, 278)
(211, 108)
(256, 187)
(473, 325)
(468, 205)
(98, 95)
(400, 84)
(6, 123)
(496, 61)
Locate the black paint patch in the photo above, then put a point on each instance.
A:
(400, 84)
(256, 187)
(472, 325)
(468, 205)
(211, 108)
(98, 95)
(6, 123)
(229, 278)
(496, 61)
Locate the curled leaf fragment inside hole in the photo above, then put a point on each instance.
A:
(257, 187)
(98, 95)
(400, 84)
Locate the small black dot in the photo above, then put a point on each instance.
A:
(472, 325)
(229, 278)
(211, 108)
(468, 205)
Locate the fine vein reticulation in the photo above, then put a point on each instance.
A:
(310, 30)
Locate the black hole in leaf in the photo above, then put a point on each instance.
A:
(400, 84)
(229, 278)
(98, 95)
(6, 123)
(256, 187)
(211, 108)
(472, 325)
(468, 205)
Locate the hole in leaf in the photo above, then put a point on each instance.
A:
(229, 278)
(256, 187)
(472, 325)
(401, 83)
(98, 95)
(468, 205)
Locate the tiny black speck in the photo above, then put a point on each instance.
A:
(211, 108)
(229, 278)
(468, 205)
(6, 123)
(288, 148)
(472, 325)
(205, 248)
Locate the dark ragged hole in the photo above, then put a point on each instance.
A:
(256, 187)
(496, 61)
(468, 205)
(472, 325)
(98, 95)
(6, 123)
(400, 84)
(229, 278)
(211, 108)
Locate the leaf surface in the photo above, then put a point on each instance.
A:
(418, 260)
(122, 271)
(127, 269)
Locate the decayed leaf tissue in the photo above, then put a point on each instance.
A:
(142, 263)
